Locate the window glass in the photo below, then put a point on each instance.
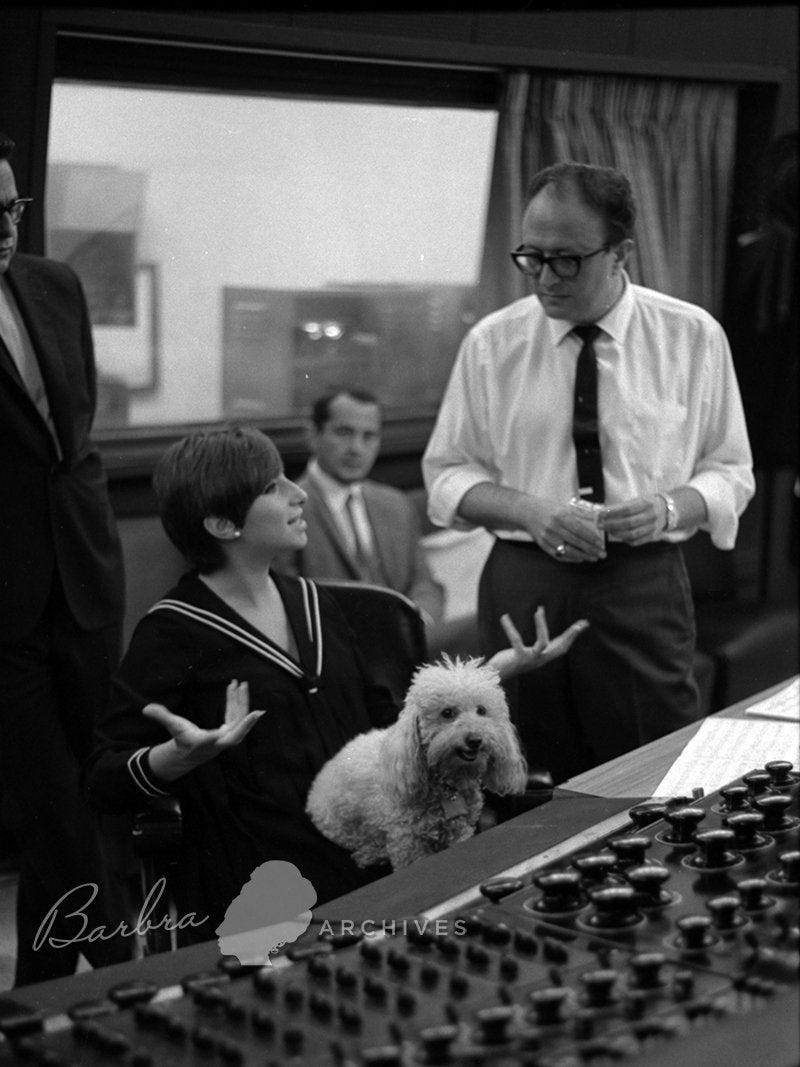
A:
(242, 253)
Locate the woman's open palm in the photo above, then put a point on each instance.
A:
(197, 745)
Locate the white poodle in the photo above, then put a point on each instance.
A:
(416, 787)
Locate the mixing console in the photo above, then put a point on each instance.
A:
(633, 948)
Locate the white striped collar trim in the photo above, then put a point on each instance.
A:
(253, 642)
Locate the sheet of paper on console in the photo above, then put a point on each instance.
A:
(724, 749)
(785, 704)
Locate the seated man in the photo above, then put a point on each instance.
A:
(358, 529)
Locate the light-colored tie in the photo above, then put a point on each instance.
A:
(364, 556)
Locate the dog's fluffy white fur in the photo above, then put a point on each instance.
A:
(415, 787)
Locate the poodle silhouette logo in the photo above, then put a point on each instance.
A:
(273, 909)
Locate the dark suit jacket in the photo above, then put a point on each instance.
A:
(396, 530)
(54, 515)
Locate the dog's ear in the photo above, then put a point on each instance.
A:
(406, 768)
(507, 771)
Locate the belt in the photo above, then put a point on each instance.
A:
(613, 548)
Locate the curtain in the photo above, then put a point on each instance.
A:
(674, 140)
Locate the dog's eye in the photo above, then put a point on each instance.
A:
(448, 713)
(481, 710)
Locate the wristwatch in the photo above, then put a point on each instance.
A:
(671, 522)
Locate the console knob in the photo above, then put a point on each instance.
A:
(477, 956)
(293, 1040)
(317, 968)
(346, 978)
(383, 1056)
(398, 961)
(448, 947)
(630, 850)
(779, 771)
(725, 912)
(561, 891)
(746, 826)
(646, 969)
(349, 1017)
(420, 936)
(615, 906)
(406, 1002)
(473, 924)
(695, 932)
(548, 1004)
(525, 943)
(645, 814)
(683, 823)
(599, 986)
(320, 1006)
(128, 993)
(293, 997)
(595, 868)
(497, 934)
(752, 894)
(773, 807)
(735, 797)
(494, 1024)
(789, 870)
(375, 990)
(436, 1041)
(757, 782)
(683, 985)
(715, 851)
(500, 887)
(647, 881)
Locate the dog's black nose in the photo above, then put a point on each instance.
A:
(473, 742)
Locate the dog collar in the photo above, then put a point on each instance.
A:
(453, 807)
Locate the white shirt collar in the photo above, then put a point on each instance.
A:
(334, 492)
(614, 322)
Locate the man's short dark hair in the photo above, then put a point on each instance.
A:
(605, 190)
(321, 410)
(220, 473)
(7, 146)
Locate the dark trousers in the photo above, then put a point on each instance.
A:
(627, 680)
(52, 684)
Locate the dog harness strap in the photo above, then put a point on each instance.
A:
(453, 807)
(236, 633)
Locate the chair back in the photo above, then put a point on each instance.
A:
(388, 628)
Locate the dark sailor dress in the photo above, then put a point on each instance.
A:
(247, 805)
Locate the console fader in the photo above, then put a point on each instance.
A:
(629, 948)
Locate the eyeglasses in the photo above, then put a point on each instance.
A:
(15, 209)
(533, 263)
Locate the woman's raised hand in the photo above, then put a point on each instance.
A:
(194, 745)
(521, 657)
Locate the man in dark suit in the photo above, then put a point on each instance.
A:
(61, 603)
(358, 529)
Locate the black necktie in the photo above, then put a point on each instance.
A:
(584, 421)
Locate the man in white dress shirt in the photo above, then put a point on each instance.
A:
(666, 433)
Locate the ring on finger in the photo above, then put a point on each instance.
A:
(560, 550)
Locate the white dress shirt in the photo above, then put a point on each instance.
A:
(670, 413)
(336, 497)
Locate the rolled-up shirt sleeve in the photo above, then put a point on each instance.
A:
(723, 469)
(456, 457)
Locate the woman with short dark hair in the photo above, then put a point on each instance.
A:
(231, 636)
